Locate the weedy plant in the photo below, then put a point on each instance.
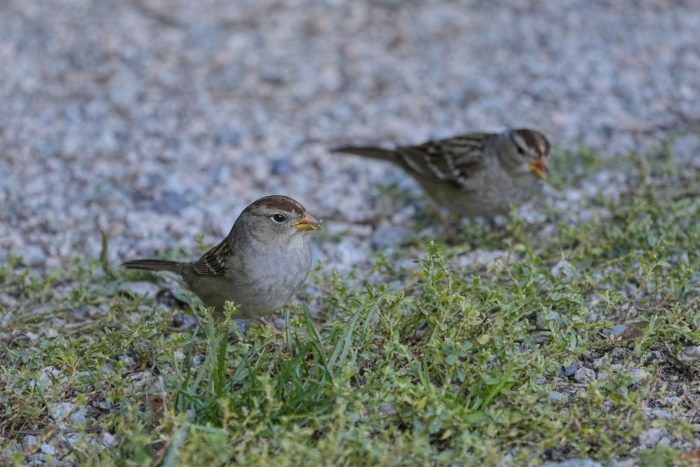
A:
(581, 342)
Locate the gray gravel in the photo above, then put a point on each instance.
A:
(157, 120)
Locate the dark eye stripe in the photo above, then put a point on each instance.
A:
(537, 143)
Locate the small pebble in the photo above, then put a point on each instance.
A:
(227, 135)
(108, 439)
(28, 441)
(387, 410)
(662, 414)
(584, 375)
(691, 354)
(79, 416)
(569, 371)
(32, 336)
(556, 397)
(618, 330)
(651, 437)
(60, 410)
(170, 202)
(48, 449)
(638, 374)
(280, 167)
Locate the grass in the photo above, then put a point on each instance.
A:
(457, 364)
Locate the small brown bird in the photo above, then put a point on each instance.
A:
(258, 266)
(476, 174)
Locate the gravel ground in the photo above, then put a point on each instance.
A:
(158, 120)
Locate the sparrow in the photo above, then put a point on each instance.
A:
(260, 264)
(475, 174)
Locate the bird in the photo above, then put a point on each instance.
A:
(260, 264)
(474, 174)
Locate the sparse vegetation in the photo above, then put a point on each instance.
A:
(473, 364)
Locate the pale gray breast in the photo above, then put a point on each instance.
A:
(264, 281)
(501, 189)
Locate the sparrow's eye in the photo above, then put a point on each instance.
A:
(279, 218)
(521, 151)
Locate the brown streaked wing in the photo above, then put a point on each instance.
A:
(213, 262)
(451, 159)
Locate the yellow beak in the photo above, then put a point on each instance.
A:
(539, 168)
(306, 223)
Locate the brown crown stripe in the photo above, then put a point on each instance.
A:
(534, 139)
(283, 203)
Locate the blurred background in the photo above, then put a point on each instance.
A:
(158, 120)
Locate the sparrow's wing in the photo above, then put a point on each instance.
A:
(213, 262)
(452, 160)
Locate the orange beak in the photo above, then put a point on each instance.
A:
(307, 222)
(539, 168)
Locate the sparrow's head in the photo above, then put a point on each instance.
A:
(526, 151)
(277, 218)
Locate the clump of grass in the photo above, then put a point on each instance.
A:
(452, 365)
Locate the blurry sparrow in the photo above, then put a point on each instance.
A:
(258, 266)
(476, 174)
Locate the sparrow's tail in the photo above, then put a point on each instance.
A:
(370, 152)
(153, 265)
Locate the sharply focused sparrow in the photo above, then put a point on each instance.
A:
(476, 174)
(258, 266)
